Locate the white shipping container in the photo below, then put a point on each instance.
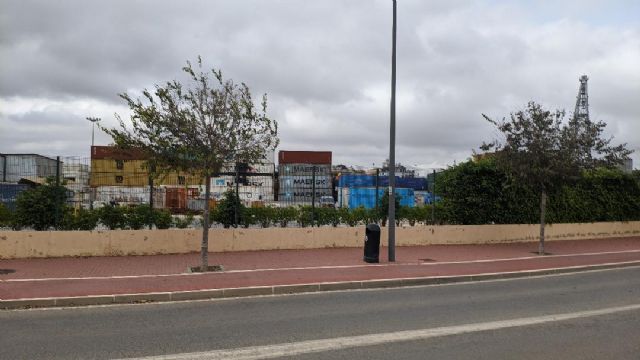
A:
(249, 193)
(305, 182)
(343, 197)
(303, 169)
(229, 181)
(122, 195)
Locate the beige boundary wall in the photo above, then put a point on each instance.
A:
(34, 244)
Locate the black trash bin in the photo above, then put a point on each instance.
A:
(372, 244)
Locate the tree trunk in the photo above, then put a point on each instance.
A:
(204, 248)
(543, 208)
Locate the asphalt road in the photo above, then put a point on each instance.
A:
(592, 315)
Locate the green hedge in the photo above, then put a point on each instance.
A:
(472, 192)
(478, 193)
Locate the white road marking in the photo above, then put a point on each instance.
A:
(314, 346)
(321, 267)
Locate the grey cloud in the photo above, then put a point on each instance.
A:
(321, 59)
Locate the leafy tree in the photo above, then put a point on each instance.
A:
(42, 207)
(544, 153)
(198, 127)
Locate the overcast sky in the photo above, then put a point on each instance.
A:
(326, 67)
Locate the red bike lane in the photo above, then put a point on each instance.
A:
(21, 288)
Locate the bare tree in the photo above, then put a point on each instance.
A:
(538, 149)
(198, 128)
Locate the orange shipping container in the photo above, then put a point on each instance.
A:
(304, 157)
(176, 198)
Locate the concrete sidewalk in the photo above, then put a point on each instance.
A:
(104, 280)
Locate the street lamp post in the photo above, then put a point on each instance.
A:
(392, 147)
(94, 120)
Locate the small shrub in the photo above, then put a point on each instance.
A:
(283, 216)
(327, 216)
(182, 223)
(347, 217)
(6, 216)
(113, 217)
(265, 216)
(85, 220)
(250, 217)
(225, 211)
(162, 219)
(138, 216)
(304, 216)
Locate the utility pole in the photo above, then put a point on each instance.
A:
(433, 199)
(377, 196)
(392, 147)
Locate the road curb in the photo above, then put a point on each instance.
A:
(291, 289)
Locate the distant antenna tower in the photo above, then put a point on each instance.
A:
(582, 101)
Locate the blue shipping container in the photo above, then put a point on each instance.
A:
(425, 198)
(350, 180)
(367, 197)
(9, 193)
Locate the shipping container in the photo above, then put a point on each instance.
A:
(246, 193)
(112, 152)
(80, 195)
(107, 172)
(355, 180)
(198, 204)
(9, 194)
(367, 197)
(304, 157)
(301, 196)
(343, 197)
(303, 169)
(262, 168)
(127, 195)
(414, 183)
(256, 181)
(176, 198)
(305, 182)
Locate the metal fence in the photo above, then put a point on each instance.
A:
(19, 172)
(96, 183)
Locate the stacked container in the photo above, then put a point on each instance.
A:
(255, 185)
(356, 190)
(300, 172)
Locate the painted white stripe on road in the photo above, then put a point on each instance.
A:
(314, 346)
(322, 267)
